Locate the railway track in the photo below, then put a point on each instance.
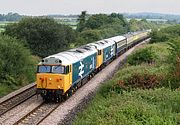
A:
(38, 114)
(16, 99)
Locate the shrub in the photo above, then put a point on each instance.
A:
(144, 55)
(174, 59)
(143, 81)
(16, 64)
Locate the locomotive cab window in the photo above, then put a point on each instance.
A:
(51, 69)
(58, 69)
(44, 69)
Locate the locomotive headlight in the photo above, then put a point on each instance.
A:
(50, 79)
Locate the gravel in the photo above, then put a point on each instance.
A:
(10, 95)
(19, 111)
(67, 111)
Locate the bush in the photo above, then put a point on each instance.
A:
(143, 81)
(145, 55)
(16, 64)
(174, 59)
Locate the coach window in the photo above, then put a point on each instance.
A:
(99, 52)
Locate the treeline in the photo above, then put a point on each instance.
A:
(102, 26)
(10, 17)
(42, 36)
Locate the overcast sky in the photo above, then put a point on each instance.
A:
(44, 7)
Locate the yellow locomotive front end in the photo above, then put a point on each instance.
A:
(53, 81)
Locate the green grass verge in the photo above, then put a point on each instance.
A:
(113, 105)
(140, 107)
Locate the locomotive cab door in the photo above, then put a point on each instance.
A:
(99, 58)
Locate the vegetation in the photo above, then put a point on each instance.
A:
(145, 55)
(140, 107)
(100, 26)
(165, 34)
(42, 35)
(144, 91)
(136, 25)
(171, 35)
(16, 65)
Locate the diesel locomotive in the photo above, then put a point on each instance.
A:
(59, 75)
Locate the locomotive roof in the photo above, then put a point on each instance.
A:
(118, 38)
(101, 44)
(69, 57)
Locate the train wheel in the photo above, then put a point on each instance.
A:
(67, 95)
(76, 88)
(71, 91)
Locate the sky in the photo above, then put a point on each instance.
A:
(44, 7)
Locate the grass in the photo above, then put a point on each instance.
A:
(115, 105)
(140, 107)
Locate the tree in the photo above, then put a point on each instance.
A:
(43, 36)
(120, 18)
(100, 26)
(96, 21)
(81, 21)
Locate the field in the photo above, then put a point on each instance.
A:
(128, 104)
(3, 24)
(70, 22)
